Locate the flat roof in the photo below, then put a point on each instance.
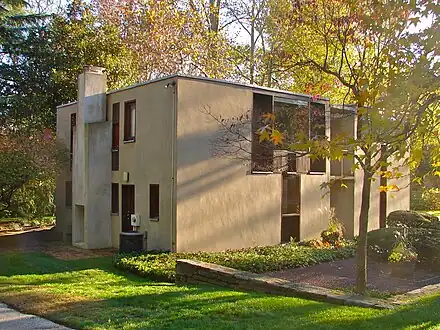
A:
(66, 104)
(255, 88)
(345, 107)
(219, 81)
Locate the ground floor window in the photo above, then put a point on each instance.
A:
(69, 193)
(154, 201)
(115, 198)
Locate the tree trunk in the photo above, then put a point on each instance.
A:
(214, 12)
(252, 50)
(269, 72)
(361, 253)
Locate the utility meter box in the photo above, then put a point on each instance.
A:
(135, 220)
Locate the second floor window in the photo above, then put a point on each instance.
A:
(115, 137)
(115, 124)
(69, 193)
(154, 201)
(130, 121)
(72, 133)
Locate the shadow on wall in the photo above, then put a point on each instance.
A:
(222, 236)
(206, 181)
(199, 174)
(230, 173)
(399, 198)
(202, 145)
(192, 147)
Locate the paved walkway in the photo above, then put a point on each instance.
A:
(342, 274)
(11, 319)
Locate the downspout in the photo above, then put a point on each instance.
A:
(173, 85)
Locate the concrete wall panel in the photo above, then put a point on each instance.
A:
(315, 207)
(148, 160)
(399, 200)
(342, 199)
(219, 206)
(373, 215)
(64, 213)
(91, 222)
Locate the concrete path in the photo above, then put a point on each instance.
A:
(11, 319)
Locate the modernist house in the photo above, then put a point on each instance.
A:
(148, 150)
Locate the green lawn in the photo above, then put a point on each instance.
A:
(91, 294)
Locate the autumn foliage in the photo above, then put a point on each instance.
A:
(24, 158)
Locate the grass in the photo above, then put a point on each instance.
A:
(92, 294)
(161, 266)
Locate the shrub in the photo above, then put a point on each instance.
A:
(382, 241)
(402, 252)
(161, 265)
(34, 200)
(426, 242)
(28, 159)
(158, 266)
(425, 199)
(410, 219)
(421, 232)
(432, 198)
(334, 234)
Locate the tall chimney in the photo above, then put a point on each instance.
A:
(91, 170)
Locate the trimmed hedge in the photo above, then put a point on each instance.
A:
(162, 265)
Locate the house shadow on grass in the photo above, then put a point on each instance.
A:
(28, 240)
(212, 308)
(39, 263)
(71, 295)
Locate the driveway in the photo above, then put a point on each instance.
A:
(11, 319)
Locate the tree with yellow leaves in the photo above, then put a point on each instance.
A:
(388, 69)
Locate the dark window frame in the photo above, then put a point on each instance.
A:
(154, 208)
(318, 130)
(116, 109)
(129, 136)
(69, 194)
(72, 130)
(261, 153)
(115, 199)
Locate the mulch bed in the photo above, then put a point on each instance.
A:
(342, 275)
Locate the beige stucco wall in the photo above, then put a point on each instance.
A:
(399, 200)
(342, 199)
(148, 160)
(219, 206)
(315, 206)
(64, 213)
(373, 215)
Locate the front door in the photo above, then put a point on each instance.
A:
(127, 206)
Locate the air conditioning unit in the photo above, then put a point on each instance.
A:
(135, 220)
